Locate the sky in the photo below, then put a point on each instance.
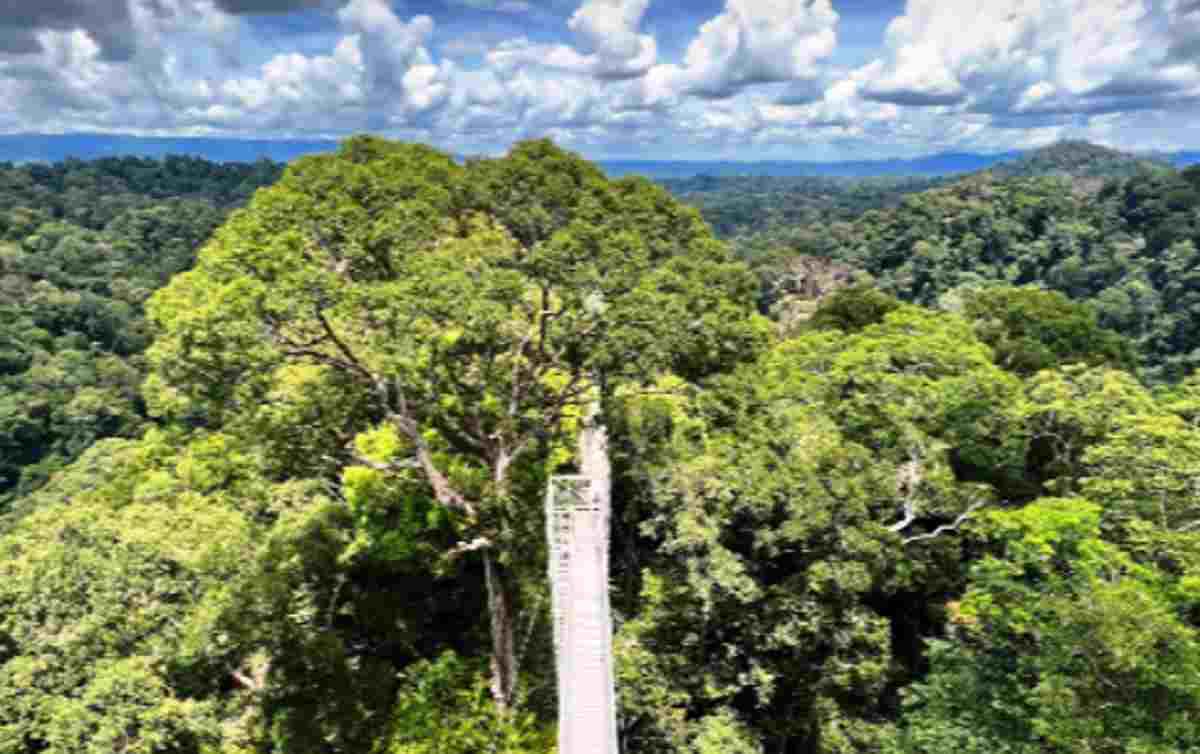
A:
(615, 79)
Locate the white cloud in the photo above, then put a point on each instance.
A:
(1042, 56)
(399, 71)
(751, 42)
(1183, 29)
(70, 81)
(249, 7)
(189, 72)
(292, 80)
(608, 30)
(474, 43)
(609, 44)
(380, 75)
(761, 78)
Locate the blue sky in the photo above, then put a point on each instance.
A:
(698, 79)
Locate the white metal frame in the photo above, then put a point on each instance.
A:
(577, 530)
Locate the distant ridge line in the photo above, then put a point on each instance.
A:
(21, 148)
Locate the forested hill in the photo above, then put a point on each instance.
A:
(1078, 159)
(762, 214)
(1128, 246)
(82, 246)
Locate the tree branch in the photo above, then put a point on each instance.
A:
(325, 359)
(405, 465)
(518, 386)
(462, 548)
(342, 347)
(944, 528)
(442, 489)
(910, 515)
(908, 480)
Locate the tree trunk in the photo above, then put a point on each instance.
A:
(501, 619)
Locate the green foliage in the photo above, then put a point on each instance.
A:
(391, 522)
(810, 519)
(783, 520)
(1067, 645)
(852, 309)
(165, 591)
(94, 601)
(74, 273)
(896, 529)
(1067, 410)
(761, 213)
(1031, 329)
(425, 336)
(128, 707)
(92, 194)
(1146, 469)
(721, 733)
(1127, 247)
(444, 707)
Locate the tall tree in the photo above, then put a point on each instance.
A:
(469, 312)
(808, 513)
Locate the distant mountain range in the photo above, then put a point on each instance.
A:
(59, 147)
(1076, 158)
(939, 164)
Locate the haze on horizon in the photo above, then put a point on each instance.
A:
(634, 79)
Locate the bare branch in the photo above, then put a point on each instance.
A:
(574, 390)
(275, 327)
(462, 548)
(442, 489)
(908, 480)
(481, 441)
(534, 615)
(910, 515)
(306, 349)
(245, 681)
(944, 528)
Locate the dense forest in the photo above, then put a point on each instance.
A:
(1119, 232)
(1128, 246)
(746, 205)
(903, 467)
(82, 246)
